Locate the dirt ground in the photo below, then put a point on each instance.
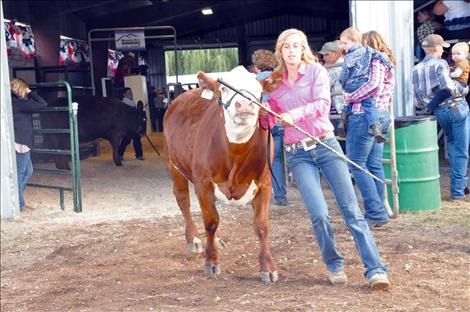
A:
(127, 252)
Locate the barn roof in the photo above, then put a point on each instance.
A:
(186, 16)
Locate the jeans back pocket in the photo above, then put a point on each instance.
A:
(459, 112)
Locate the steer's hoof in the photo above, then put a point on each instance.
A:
(213, 269)
(195, 247)
(269, 277)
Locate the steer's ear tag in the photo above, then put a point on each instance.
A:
(207, 94)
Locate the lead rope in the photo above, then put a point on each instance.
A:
(268, 152)
(317, 141)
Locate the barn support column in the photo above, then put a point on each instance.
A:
(243, 58)
(9, 180)
(395, 24)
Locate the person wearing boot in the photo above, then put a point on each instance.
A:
(301, 95)
(361, 147)
(355, 73)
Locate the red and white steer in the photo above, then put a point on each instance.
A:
(221, 149)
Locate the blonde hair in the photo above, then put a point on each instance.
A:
(353, 34)
(461, 45)
(374, 40)
(263, 59)
(307, 55)
(19, 86)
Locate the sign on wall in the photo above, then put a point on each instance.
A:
(130, 40)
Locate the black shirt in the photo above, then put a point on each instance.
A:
(22, 116)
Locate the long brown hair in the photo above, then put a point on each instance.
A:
(274, 81)
(19, 87)
(307, 55)
(374, 40)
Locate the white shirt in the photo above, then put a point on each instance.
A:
(21, 148)
(129, 102)
(456, 9)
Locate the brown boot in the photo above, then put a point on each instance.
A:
(377, 133)
(342, 125)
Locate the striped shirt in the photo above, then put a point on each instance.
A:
(337, 99)
(379, 85)
(428, 77)
(307, 100)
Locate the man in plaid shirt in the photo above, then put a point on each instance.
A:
(333, 60)
(428, 77)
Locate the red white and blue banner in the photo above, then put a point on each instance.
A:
(19, 36)
(113, 62)
(73, 51)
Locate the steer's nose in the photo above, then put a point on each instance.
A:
(244, 107)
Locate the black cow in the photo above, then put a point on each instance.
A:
(98, 117)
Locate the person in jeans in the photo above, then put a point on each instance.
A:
(355, 73)
(128, 99)
(458, 72)
(428, 77)
(263, 61)
(301, 95)
(360, 146)
(24, 104)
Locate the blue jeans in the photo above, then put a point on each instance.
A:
(370, 111)
(362, 149)
(278, 163)
(456, 124)
(306, 167)
(24, 168)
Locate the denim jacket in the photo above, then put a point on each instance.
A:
(356, 66)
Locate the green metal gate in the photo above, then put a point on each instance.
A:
(73, 152)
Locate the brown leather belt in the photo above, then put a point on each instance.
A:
(308, 143)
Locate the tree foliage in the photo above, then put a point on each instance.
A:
(207, 60)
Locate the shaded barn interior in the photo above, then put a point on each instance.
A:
(248, 25)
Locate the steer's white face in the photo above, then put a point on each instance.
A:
(241, 116)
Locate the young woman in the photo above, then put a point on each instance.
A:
(24, 103)
(303, 98)
(360, 145)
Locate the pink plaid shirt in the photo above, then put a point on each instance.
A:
(308, 101)
(379, 85)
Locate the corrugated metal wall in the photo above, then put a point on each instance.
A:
(9, 181)
(157, 70)
(394, 21)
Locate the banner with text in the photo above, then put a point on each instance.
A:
(130, 40)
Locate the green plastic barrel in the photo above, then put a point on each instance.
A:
(417, 164)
